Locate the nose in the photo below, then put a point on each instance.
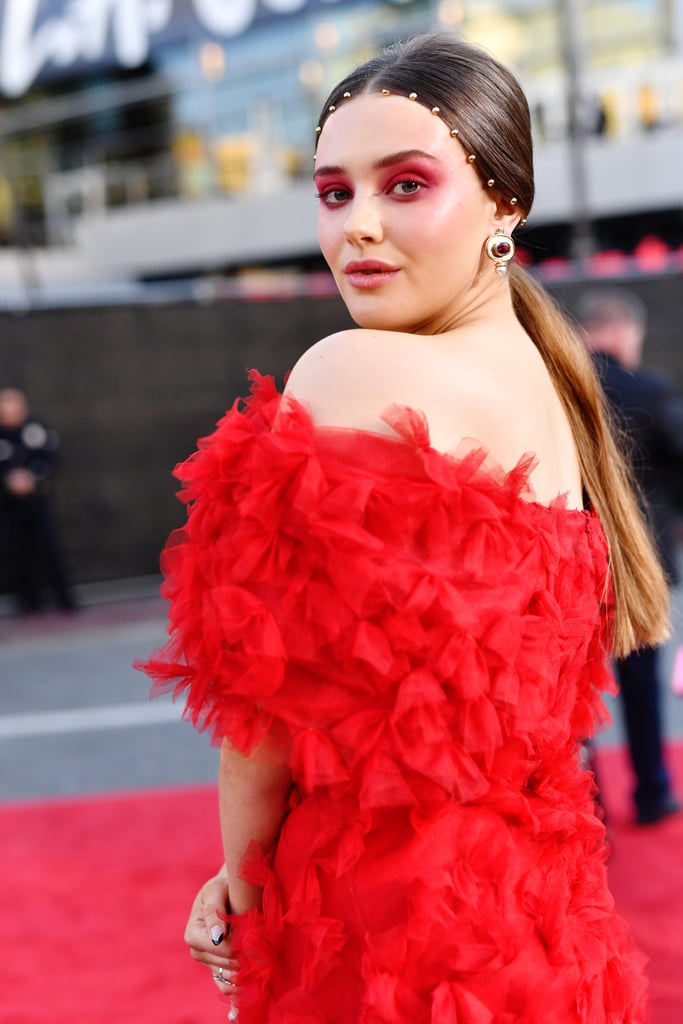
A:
(363, 221)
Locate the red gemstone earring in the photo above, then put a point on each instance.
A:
(500, 248)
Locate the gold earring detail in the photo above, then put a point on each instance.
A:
(500, 248)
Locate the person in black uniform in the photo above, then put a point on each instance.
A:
(28, 452)
(649, 412)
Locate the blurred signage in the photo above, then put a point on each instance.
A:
(48, 35)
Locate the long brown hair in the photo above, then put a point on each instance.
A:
(482, 100)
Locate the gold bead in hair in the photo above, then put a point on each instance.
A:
(491, 182)
(513, 201)
(318, 130)
(454, 132)
(347, 96)
(332, 109)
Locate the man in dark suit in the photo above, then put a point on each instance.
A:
(650, 413)
(28, 451)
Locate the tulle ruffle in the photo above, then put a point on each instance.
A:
(425, 641)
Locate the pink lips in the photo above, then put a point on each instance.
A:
(369, 273)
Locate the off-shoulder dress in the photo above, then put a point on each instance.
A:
(427, 641)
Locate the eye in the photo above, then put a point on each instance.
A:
(333, 196)
(409, 187)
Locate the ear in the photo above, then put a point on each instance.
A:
(506, 216)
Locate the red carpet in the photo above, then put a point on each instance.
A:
(646, 876)
(95, 894)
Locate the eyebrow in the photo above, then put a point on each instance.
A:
(385, 161)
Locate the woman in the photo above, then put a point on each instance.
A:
(393, 596)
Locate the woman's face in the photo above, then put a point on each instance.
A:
(403, 217)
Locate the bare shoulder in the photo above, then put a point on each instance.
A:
(487, 388)
(350, 353)
(350, 378)
(344, 379)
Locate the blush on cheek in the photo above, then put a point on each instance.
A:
(326, 248)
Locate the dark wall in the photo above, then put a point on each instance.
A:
(130, 389)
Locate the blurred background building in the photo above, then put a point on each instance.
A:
(158, 221)
(154, 139)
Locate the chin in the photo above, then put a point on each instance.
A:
(371, 323)
(379, 319)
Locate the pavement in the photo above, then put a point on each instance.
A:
(75, 717)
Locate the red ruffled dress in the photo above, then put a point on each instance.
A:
(429, 641)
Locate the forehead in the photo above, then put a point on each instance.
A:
(369, 126)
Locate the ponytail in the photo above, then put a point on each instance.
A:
(640, 589)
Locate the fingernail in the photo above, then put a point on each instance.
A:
(216, 935)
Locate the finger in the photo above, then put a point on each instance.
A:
(217, 928)
(225, 980)
(214, 959)
(202, 948)
(215, 907)
(205, 932)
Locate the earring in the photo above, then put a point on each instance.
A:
(500, 248)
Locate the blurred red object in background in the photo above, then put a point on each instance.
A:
(652, 253)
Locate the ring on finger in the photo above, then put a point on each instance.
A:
(223, 979)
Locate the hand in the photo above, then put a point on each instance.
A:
(207, 935)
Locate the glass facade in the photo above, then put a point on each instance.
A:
(209, 112)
